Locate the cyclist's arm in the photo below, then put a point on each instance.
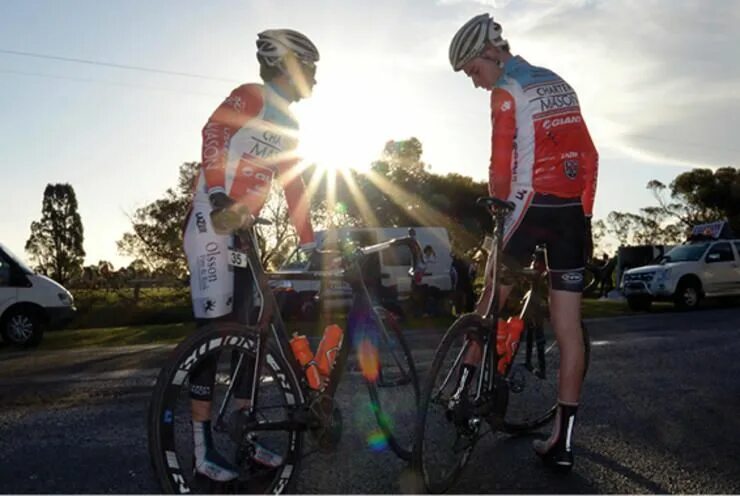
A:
(244, 103)
(297, 199)
(503, 119)
(590, 174)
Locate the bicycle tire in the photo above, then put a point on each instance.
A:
(539, 407)
(389, 392)
(437, 477)
(171, 469)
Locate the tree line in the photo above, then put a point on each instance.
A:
(399, 189)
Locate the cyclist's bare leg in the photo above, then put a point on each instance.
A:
(201, 410)
(565, 316)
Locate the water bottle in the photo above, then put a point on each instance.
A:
(329, 346)
(302, 351)
(507, 341)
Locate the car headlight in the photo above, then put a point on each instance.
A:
(66, 298)
(662, 276)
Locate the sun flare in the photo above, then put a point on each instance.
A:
(337, 132)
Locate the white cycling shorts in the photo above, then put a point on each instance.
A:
(211, 276)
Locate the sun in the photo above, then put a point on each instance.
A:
(336, 131)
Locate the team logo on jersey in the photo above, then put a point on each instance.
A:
(235, 102)
(209, 305)
(561, 121)
(571, 168)
(200, 222)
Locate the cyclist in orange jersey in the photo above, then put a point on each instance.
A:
(542, 160)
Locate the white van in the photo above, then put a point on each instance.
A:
(394, 265)
(29, 302)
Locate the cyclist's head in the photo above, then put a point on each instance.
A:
(288, 55)
(479, 50)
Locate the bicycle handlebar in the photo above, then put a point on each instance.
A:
(416, 271)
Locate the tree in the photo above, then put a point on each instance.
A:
(696, 197)
(598, 233)
(56, 240)
(157, 228)
(278, 239)
(399, 190)
(709, 196)
(622, 225)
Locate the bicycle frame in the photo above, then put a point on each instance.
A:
(270, 320)
(490, 382)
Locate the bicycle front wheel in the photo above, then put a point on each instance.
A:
(392, 383)
(279, 397)
(446, 431)
(532, 378)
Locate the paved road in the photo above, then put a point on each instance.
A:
(659, 416)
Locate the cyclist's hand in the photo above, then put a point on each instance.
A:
(227, 215)
(588, 249)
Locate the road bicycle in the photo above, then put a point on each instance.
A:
(515, 398)
(284, 407)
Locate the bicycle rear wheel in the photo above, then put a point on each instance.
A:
(445, 436)
(532, 378)
(170, 422)
(392, 383)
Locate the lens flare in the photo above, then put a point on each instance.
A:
(367, 355)
(377, 441)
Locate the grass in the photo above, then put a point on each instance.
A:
(175, 332)
(117, 336)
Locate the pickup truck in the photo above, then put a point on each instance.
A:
(686, 274)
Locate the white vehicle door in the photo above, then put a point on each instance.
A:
(736, 286)
(8, 293)
(395, 261)
(720, 269)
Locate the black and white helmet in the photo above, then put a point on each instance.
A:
(274, 44)
(471, 39)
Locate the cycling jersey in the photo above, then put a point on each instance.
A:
(540, 142)
(250, 139)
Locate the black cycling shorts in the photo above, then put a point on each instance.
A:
(559, 224)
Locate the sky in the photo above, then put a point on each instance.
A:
(658, 83)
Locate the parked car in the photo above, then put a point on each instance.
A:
(30, 303)
(686, 274)
(302, 296)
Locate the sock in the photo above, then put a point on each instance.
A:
(201, 439)
(563, 426)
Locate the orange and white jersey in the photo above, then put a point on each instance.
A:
(540, 142)
(248, 141)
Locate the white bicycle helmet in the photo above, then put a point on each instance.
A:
(471, 39)
(274, 44)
